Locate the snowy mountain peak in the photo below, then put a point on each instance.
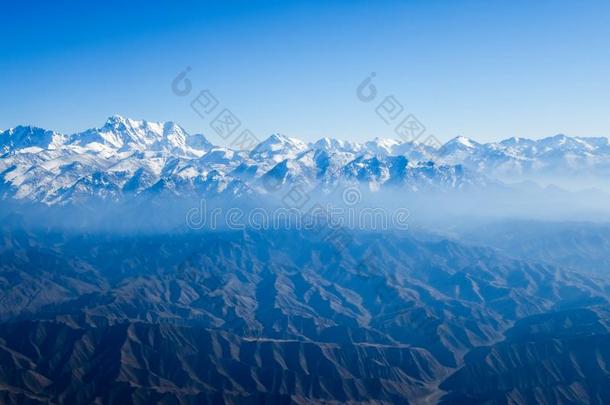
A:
(516, 141)
(333, 145)
(458, 149)
(126, 134)
(115, 119)
(462, 142)
(146, 131)
(278, 147)
(387, 142)
(277, 140)
(382, 146)
(327, 143)
(29, 139)
(565, 143)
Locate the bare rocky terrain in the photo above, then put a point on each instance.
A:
(286, 317)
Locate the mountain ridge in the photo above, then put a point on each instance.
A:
(287, 317)
(131, 156)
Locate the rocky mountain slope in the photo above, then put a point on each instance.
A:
(274, 317)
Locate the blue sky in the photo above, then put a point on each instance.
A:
(484, 69)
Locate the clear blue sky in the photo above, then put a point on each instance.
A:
(483, 69)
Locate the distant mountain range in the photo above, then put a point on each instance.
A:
(128, 158)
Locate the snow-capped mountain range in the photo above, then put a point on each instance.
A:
(131, 158)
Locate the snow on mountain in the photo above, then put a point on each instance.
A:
(28, 139)
(138, 157)
(277, 148)
(558, 158)
(415, 151)
(397, 171)
(331, 154)
(332, 145)
(124, 134)
(198, 142)
(367, 169)
(518, 144)
(458, 149)
(381, 146)
(222, 157)
(303, 169)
